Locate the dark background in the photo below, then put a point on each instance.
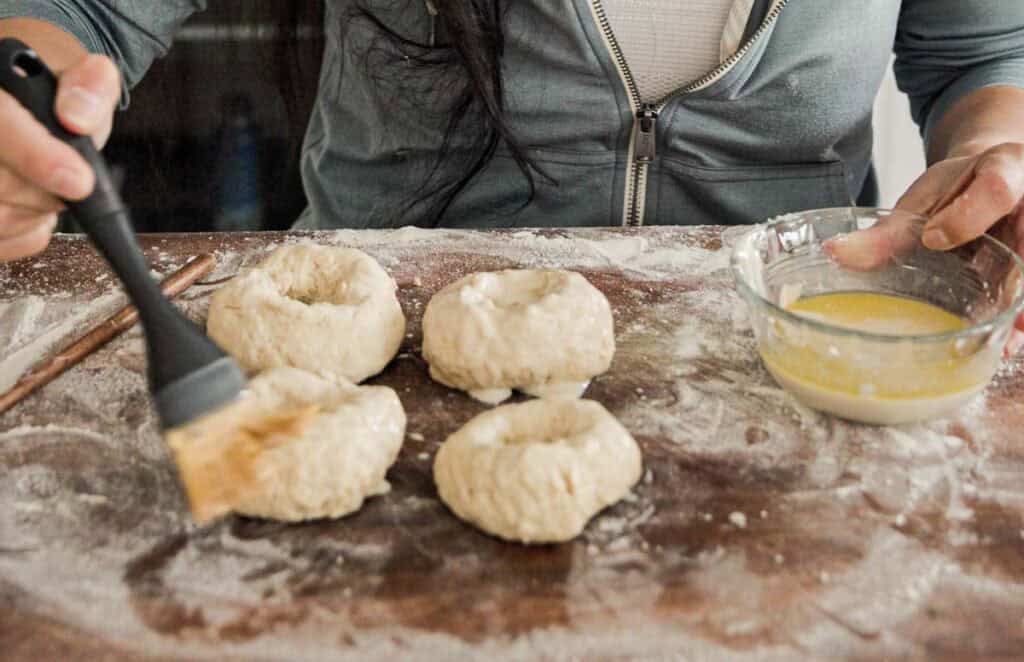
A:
(169, 145)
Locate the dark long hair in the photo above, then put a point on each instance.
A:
(457, 69)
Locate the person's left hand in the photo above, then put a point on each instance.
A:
(966, 197)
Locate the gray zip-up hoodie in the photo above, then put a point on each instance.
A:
(783, 125)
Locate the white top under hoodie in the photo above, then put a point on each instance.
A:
(668, 43)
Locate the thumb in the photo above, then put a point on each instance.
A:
(875, 247)
(928, 190)
(87, 96)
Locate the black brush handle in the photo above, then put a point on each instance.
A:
(176, 346)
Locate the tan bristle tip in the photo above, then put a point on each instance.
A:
(217, 455)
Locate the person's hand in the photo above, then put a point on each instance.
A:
(966, 197)
(36, 169)
(963, 198)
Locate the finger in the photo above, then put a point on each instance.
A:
(28, 244)
(874, 247)
(995, 191)
(923, 194)
(16, 221)
(17, 192)
(953, 191)
(27, 148)
(87, 96)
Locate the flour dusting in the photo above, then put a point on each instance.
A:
(23, 353)
(760, 530)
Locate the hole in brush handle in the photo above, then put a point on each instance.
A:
(24, 76)
(26, 66)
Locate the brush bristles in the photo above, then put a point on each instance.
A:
(218, 455)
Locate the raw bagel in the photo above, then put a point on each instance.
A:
(337, 459)
(319, 308)
(538, 471)
(542, 332)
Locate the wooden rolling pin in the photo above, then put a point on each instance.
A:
(114, 326)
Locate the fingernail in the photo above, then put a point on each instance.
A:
(79, 106)
(854, 240)
(854, 251)
(68, 183)
(936, 239)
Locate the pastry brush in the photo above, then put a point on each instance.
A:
(190, 377)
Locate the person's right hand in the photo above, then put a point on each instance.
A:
(36, 169)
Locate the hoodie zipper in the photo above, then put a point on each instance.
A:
(643, 142)
(433, 14)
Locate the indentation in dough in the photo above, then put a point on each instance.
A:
(543, 332)
(537, 471)
(512, 289)
(318, 308)
(334, 291)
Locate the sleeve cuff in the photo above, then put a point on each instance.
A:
(47, 10)
(1004, 72)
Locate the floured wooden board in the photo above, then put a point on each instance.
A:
(760, 531)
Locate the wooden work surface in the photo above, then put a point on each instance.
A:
(760, 530)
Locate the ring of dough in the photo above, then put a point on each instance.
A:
(543, 332)
(325, 466)
(536, 472)
(319, 308)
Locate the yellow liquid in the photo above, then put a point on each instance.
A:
(879, 313)
(867, 368)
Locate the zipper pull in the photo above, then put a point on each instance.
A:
(432, 12)
(645, 147)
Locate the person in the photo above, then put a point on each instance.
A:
(487, 113)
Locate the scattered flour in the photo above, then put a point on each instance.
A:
(79, 319)
(707, 402)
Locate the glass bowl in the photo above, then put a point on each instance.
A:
(910, 334)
